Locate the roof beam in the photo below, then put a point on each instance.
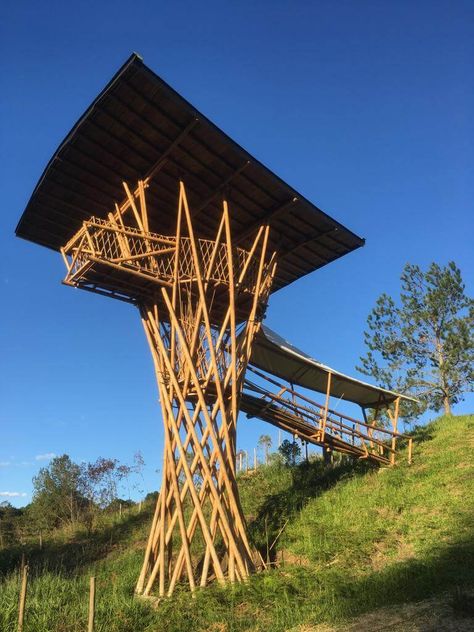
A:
(220, 188)
(163, 158)
(268, 218)
(308, 240)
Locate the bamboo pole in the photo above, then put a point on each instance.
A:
(90, 622)
(22, 602)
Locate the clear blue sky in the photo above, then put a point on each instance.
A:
(364, 107)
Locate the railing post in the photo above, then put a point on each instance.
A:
(395, 423)
(325, 416)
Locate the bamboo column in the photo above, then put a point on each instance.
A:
(200, 354)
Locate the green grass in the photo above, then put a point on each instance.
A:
(354, 538)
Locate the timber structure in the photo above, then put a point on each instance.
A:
(150, 203)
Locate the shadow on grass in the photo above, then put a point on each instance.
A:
(282, 599)
(309, 480)
(70, 556)
(421, 434)
(448, 569)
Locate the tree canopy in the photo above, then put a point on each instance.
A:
(290, 452)
(423, 343)
(265, 441)
(66, 492)
(57, 496)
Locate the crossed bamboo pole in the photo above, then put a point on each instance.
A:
(202, 368)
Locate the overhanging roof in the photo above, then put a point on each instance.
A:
(137, 125)
(275, 355)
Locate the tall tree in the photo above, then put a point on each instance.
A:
(265, 442)
(100, 481)
(10, 523)
(57, 498)
(240, 460)
(424, 343)
(290, 451)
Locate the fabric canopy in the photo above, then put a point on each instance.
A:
(273, 354)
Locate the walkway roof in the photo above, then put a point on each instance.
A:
(139, 126)
(275, 355)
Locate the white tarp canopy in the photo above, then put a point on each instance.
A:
(273, 354)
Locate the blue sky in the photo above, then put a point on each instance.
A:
(364, 107)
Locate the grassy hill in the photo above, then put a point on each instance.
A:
(343, 541)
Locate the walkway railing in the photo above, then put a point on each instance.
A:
(291, 410)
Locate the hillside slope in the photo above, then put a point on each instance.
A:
(343, 541)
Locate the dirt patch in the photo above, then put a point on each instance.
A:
(287, 557)
(384, 552)
(432, 615)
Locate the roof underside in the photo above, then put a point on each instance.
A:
(271, 353)
(138, 125)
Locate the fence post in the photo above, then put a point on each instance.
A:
(21, 608)
(90, 625)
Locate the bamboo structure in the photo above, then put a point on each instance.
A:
(200, 276)
(200, 307)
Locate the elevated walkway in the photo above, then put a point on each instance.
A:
(280, 404)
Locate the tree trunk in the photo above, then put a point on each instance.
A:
(327, 455)
(447, 405)
(444, 386)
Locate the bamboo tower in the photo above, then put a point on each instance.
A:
(200, 321)
(199, 273)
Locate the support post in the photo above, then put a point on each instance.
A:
(90, 622)
(395, 429)
(326, 407)
(22, 601)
